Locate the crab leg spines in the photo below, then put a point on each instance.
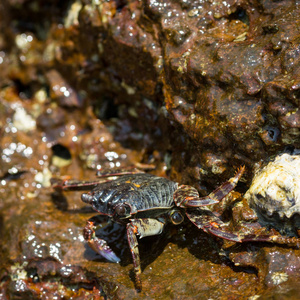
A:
(133, 245)
(239, 173)
(98, 245)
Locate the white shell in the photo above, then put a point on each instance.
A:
(276, 187)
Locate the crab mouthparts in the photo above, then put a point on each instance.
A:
(87, 198)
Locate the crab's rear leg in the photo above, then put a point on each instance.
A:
(276, 239)
(187, 196)
(142, 227)
(137, 168)
(241, 238)
(74, 185)
(98, 245)
(208, 222)
(118, 172)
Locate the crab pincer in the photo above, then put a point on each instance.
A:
(98, 245)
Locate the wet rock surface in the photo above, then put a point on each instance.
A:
(195, 88)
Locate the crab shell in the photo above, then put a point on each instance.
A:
(276, 187)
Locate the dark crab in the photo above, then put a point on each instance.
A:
(146, 203)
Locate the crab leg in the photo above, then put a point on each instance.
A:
(186, 196)
(98, 245)
(240, 237)
(74, 185)
(204, 219)
(84, 185)
(118, 172)
(276, 239)
(142, 227)
(133, 245)
(134, 169)
(208, 222)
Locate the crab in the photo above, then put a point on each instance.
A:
(145, 203)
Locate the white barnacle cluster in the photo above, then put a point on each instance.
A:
(279, 277)
(276, 187)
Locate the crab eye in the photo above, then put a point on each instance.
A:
(176, 217)
(121, 209)
(87, 198)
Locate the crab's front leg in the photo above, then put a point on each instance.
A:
(206, 220)
(142, 227)
(187, 196)
(98, 245)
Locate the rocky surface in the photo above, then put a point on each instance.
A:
(195, 88)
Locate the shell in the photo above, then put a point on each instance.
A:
(275, 189)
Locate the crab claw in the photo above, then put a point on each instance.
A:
(100, 246)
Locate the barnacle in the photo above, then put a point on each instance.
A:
(275, 188)
(279, 277)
